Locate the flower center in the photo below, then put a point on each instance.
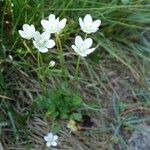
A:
(82, 48)
(42, 43)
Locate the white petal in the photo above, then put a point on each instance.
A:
(50, 43)
(52, 17)
(37, 36)
(54, 143)
(43, 49)
(55, 137)
(81, 22)
(48, 144)
(74, 48)
(32, 27)
(77, 51)
(78, 41)
(32, 30)
(35, 44)
(62, 23)
(46, 138)
(93, 30)
(26, 27)
(83, 55)
(86, 30)
(22, 34)
(88, 51)
(50, 135)
(88, 43)
(96, 23)
(45, 24)
(45, 36)
(88, 19)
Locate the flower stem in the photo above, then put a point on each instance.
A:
(40, 73)
(62, 60)
(85, 36)
(78, 63)
(77, 68)
(29, 50)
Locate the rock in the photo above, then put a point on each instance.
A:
(140, 139)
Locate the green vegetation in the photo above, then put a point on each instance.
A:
(114, 81)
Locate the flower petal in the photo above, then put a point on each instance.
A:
(78, 51)
(50, 43)
(46, 138)
(50, 135)
(88, 51)
(35, 44)
(43, 49)
(22, 33)
(88, 43)
(26, 27)
(55, 137)
(45, 24)
(62, 23)
(54, 143)
(96, 23)
(78, 41)
(48, 144)
(37, 36)
(32, 27)
(74, 48)
(45, 36)
(52, 17)
(81, 22)
(88, 19)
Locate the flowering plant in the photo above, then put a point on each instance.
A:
(51, 140)
(61, 104)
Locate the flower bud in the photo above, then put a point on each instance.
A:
(52, 64)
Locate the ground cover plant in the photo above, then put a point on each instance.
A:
(64, 98)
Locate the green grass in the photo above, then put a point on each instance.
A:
(114, 81)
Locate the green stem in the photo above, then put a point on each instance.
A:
(78, 62)
(77, 68)
(85, 36)
(29, 50)
(40, 73)
(38, 60)
(62, 60)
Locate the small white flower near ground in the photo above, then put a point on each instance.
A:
(82, 47)
(88, 25)
(53, 25)
(52, 63)
(27, 32)
(10, 57)
(42, 41)
(51, 140)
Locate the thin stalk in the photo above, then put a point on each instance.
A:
(78, 63)
(77, 68)
(40, 73)
(29, 50)
(62, 60)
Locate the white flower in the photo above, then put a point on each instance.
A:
(10, 57)
(42, 41)
(27, 32)
(82, 47)
(51, 140)
(88, 25)
(52, 63)
(53, 25)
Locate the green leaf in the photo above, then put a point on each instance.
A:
(76, 116)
